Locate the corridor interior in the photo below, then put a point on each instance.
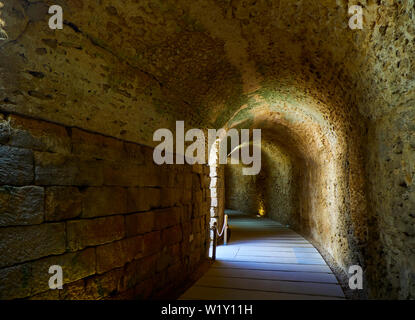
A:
(265, 261)
(82, 109)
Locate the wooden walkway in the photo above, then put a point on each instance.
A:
(265, 261)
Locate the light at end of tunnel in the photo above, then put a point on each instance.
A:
(261, 211)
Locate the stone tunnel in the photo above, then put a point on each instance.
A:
(79, 105)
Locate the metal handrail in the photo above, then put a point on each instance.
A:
(224, 231)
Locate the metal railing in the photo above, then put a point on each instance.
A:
(216, 234)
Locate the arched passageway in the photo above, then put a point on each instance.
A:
(79, 107)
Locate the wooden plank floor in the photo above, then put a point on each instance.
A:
(265, 261)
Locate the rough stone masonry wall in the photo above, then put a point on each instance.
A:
(392, 233)
(119, 225)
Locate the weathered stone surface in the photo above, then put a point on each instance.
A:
(19, 244)
(134, 152)
(151, 243)
(75, 291)
(394, 189)
(139, 223)
(91, 232)
(138, 270)
(171, 196)
(104, 201)
(47, 295)
(118, 253)
(143, 199)
(16, 166)
(75, 266)
(62, 203)
(167, 217)
(90, 145)
(5, 130)
(9, 277)
(169, 256)
(142, 291)
(58, 169)
(124, 174)
(104, 285)
(175, 273)
(37, 135)
(21, 206)
(173, 235)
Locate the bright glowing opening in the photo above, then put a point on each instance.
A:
(261, 210)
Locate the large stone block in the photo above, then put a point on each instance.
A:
(55, 169)
(188, 180)
(16, 166)
(47, 295)
(141, 291)
(21, 206)
(117, 254)
(138, 270)
(148, 155)
(171, 196)
(66, 170)
(167, 217)
(91, 232)
(168, 174)
(169, 256)
(75, 266)
(175, 273)
(74, 291)
(186, 213)
(104, 285)
(38, 135)
(161, 281)
(15, 282)
(196, 182)
(19, 244)
(196, 242)
(196, 209)
(142, 199)
(5, 130)
(196, 225)
(150, 176)
(134, 152)
(171, 235)
(152, 243)
(62, 203)
(187, 230)
(187, 196)
(139, 223)
(91, 145)
(124, 174)
(197, 196)
(104, 201)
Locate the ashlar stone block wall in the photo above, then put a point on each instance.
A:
(118, 224)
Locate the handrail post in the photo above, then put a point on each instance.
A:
(214, 242)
